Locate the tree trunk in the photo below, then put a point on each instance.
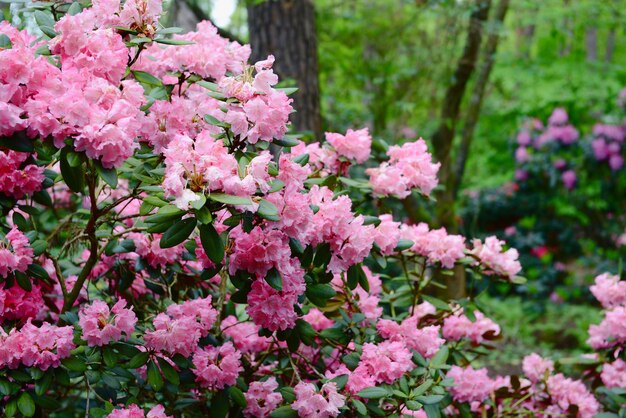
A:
(475, 104)
(443, 138)
(286, 29)
(591, 43)
(610, 45)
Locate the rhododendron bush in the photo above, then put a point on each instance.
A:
(168, 249)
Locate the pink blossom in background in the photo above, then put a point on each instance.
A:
(133, 411)
(521, 175)
(245, 335)
(521, 155)
(558, 117)
(569, 179)
(524, 139)
(566, 392)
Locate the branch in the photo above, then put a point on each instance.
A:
(478, 94)
(90, 231)
(202, 15)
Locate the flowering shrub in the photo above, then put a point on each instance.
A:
(159, 259)
(566, 203)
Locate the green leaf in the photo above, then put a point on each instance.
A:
(146, 78)
(166, 213)
(168, 41)
(320, 293)
(440, 358)
(404, 244)
(212, 243)
(284, 412)
(268, 210)
(23, 281)
(429, 399)
(413, 405)
(39, 246)
(178, 232)
(26, 405)
(109, 175)
(45, 23)
(138, 360)
(301, 159)
(230, 199)
(203, 215)
(359, 406)
(170, 30)
(17, 142)
(354, 275)
(74, 177)
(288, 90)
(5, 41)
(322, 255)
(212, 120)
(286, 142)
(42, 385)
(74, 364)
(109, 356)
(373, 393)
(274, 279)
(35, 270)
(169, 372)
(154, 377)
(74, 9)
(237, 395)
(306, 331)
(371, 220)
(437, 303)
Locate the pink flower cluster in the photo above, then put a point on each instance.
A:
(436, 245)
(410, 166)
(180, 327)
(101, 326)
(609, 290)
(424, 340)
(494, 260)
(565, 392)
(245, 335)
(471, 385)
(607, 145)
(354, 145)
(536, 368)
(262, 398)
(459, 326)
(133, 411)
(15, 253)
(313, 404)
(42, 347)
(17, 303)
(216, 367)
(558, 130)
(18, 177)
(614, 374)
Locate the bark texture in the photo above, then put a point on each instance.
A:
(286, 29)
(478, 93)
(443, 138)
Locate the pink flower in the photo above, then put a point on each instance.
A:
(245, 335)
(311, 404)
(609, 290)
(15, 253)
(385, 362)
(458, 326)
(387, 234)
(216, 367)
(410, 166)
(614, 374)
(611, 331)
(133, 411)
(42, 347)
(436, 245)
(569, 179)
(355, 145)
(521, 155)
(17, 303)
(270, 308)
(558, 117)
(17, 177)
(494, 260)
(148, 246)
(470, 385)
(100, 327)
(318, 320)
(567, 392)
(262, 398)
(425, 341)
(536, 368)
